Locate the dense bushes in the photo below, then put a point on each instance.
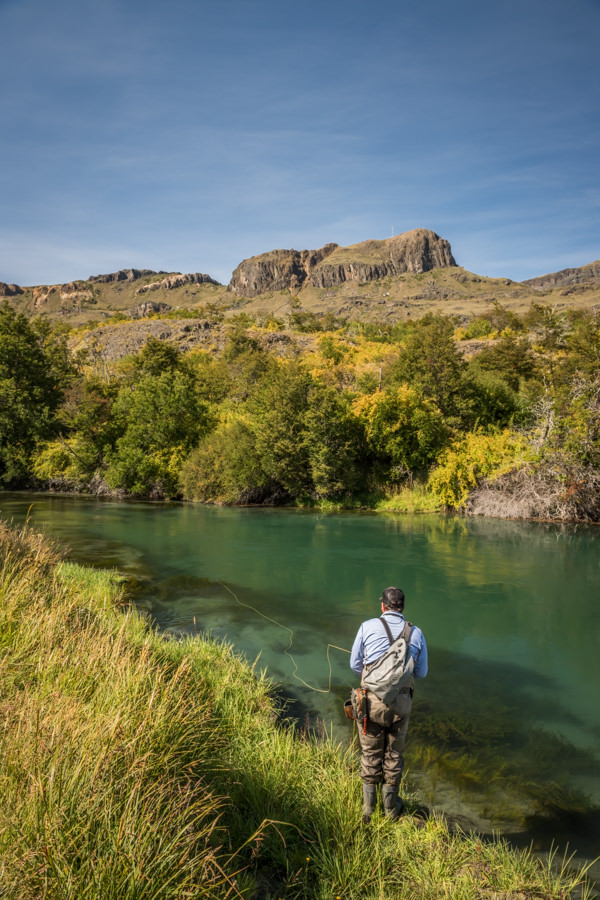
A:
(360, 414)
(476, 456)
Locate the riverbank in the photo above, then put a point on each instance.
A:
(527, 495)
(135, 766)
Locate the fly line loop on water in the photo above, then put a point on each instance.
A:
(288, 648)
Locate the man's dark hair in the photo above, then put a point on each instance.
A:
(393, 598)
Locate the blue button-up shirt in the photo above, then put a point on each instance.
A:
(372, 641)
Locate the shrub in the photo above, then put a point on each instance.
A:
(401, 427)
(469, 460)
(71, 460)
(226, 468)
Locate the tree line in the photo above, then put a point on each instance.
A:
(372, 410)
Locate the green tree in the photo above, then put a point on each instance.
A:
(509, 357)
(583, 345)
(161, 418)
(333, 442)
(226, 468)
(490, 399)
(157, 356)
(277, 413)
(431, 363)
(34, 371)
(403, 429)
(213, 376)
(87, 434)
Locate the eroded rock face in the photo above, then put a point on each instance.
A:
(583, 275)
(74, 294)
(147, 309)
(277, 270)
(414, 251)
(9, 290)
(41, 294)
(175, 281)
(123, 275)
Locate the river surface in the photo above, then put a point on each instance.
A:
(505, 732)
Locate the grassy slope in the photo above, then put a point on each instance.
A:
(115, 297)
(135, 767)
(451, 291)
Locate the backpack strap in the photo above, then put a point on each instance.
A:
(388, 629)
(406, 632)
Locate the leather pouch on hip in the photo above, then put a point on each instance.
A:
(358, 699)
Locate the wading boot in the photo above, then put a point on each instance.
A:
(392, 804)
(369, 802)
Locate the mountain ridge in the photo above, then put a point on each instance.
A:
(394, 278)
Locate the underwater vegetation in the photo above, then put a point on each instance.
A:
(518, 775)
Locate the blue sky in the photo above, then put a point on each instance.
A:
(188, 135)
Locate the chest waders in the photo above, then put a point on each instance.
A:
(389, 681)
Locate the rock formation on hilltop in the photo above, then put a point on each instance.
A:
(589, 274)
(10, 290)
(177, 280)
(414, 251)
(276, 271)
(123, 275)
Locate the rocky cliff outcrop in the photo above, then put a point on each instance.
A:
(72, 295)
(589, 274)
(41, 294)
(123, 275)
(175, 281)
(415, 251)
(276, 271)
(147, 308)
(9, 290)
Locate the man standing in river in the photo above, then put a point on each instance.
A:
(383, 736)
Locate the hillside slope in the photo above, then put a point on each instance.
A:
(377, 280)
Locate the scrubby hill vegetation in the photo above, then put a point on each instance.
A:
(137, 767)
(499, 415)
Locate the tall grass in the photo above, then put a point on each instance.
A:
(135, 767)
(102, 791)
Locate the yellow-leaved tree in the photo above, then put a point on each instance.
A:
(471, 459)
(402, 427)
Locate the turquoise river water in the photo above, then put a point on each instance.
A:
(505, 732)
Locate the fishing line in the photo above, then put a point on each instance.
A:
(287, 649)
